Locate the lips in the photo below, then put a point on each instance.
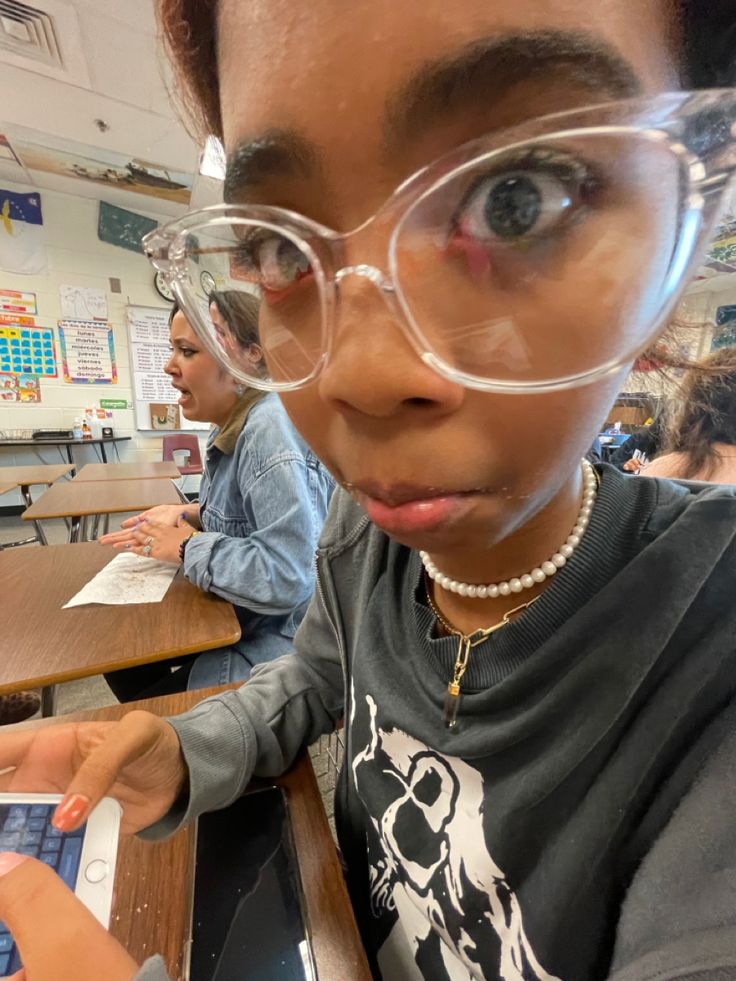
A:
(404, 510)
(183, 392)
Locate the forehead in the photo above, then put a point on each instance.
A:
(333, 64)
(180, 329)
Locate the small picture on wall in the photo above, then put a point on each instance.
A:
(8, 387)
(29, 388)
(165, 417)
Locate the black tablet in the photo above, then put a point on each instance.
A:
(249, 918)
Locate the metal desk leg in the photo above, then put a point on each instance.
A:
(74, 530)
(104, 454)
(96, 527)
(48, 701)
(26, 495)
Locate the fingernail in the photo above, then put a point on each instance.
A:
(10, 861)
(70, 812)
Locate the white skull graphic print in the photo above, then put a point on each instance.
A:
(454, 915)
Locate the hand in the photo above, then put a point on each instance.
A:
(137, 761)
(152, 539)
(58, 938)
(632, 466)
(165, 514)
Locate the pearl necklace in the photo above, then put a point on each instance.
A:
(543, 571)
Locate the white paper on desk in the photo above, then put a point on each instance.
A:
(128, 578)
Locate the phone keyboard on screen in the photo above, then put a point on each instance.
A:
(27, 830)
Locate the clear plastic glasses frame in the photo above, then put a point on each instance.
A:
(690, 138)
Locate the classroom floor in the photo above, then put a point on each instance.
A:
(74, 696)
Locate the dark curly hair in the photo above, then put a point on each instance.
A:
(708, 413)
(189, 32)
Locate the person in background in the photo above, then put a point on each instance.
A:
(701, 443)
(533, 658)
(263, 499)
(646, 440)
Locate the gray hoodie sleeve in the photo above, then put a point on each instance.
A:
(261, 728)
(679, 916)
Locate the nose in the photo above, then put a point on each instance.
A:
(170, 366)
(373, 369)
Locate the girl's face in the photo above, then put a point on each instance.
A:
(207, 392)
(313, 106)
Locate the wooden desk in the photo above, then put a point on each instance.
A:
(128, 471)
(76, 500)
(5, 486)
(67, 443)
(153, 882)
(41, 473)
(24, 478)
(41, 644)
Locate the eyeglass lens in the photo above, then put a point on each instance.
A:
(533, 263)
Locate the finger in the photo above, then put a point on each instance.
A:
(123, 744)
(132, 522)
(13, 748)
(56, 934)
(115, 536)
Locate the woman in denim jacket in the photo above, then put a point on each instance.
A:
(251, 537)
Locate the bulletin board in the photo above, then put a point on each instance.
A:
(155, 401)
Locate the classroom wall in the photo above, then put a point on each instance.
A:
(77, 257)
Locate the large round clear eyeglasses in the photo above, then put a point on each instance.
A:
(538, 258)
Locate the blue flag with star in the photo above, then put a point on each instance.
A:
(22, 244)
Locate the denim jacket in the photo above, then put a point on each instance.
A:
(262, 507)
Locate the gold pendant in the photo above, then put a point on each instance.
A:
(452, 705)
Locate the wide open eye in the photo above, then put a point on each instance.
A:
(530, 200)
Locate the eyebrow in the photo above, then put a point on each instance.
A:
(489, 69)
(486, 70)
(275, 153)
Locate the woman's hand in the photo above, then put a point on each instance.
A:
(152, 539)
(58, 938)
(164, 514)
(137, 761)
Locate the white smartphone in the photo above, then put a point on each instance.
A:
(85, 859)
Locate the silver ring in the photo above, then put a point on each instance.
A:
(148, 541)
(146, 550)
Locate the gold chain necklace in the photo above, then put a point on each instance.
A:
(466, 642)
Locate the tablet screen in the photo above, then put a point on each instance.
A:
(248, 918)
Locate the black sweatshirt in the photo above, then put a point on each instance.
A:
(590, 783)
(579, 823)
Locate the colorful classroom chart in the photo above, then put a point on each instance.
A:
(15, 301)
(87, 353)
(28, 350)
